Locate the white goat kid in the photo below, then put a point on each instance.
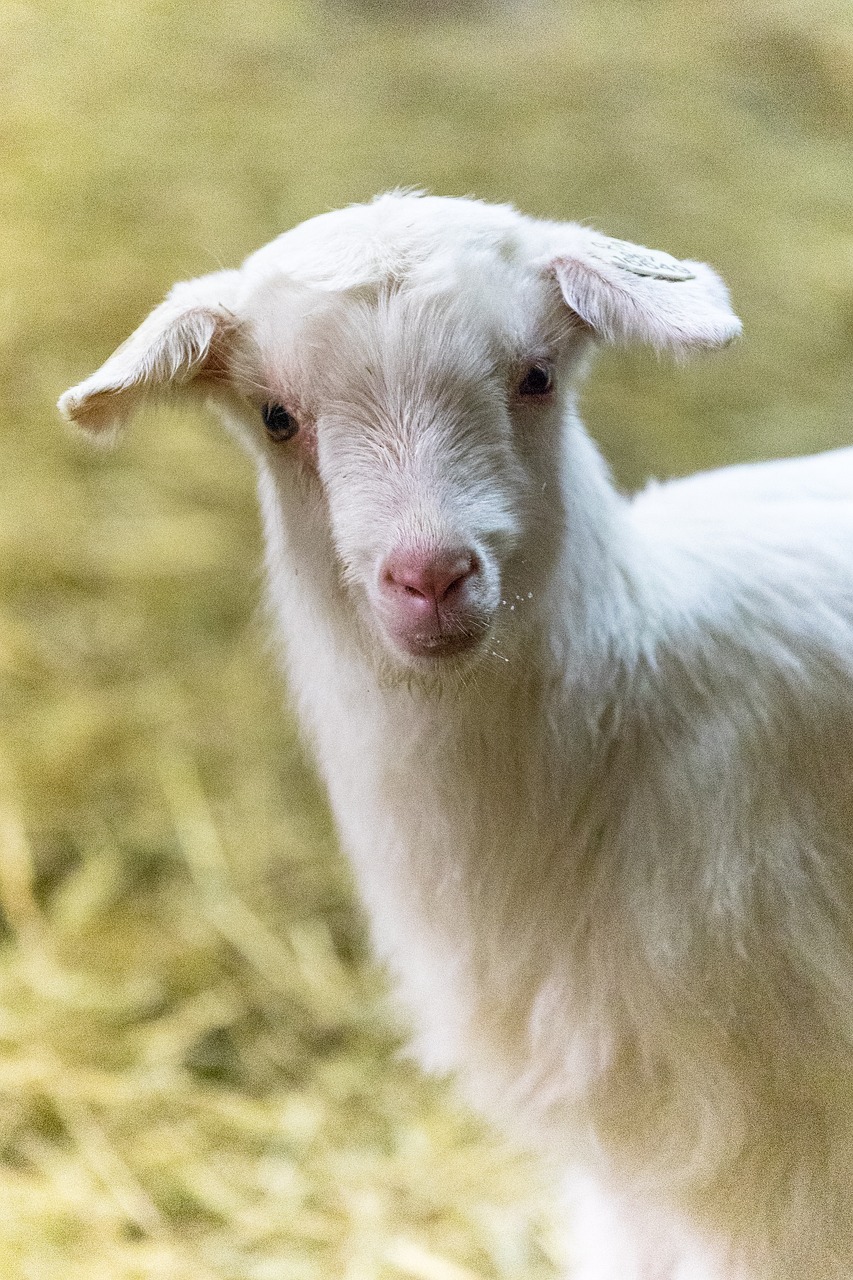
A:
(590, 756)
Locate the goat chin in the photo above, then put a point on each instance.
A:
(605, 852)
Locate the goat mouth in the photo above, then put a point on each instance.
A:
(438, 646)
(440, 643)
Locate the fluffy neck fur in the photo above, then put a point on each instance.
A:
(445, 795)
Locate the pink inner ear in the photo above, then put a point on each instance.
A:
(623, 307)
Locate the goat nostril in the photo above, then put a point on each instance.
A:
(457, 582)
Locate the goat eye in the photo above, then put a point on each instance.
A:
(280, 424)
(537, 381)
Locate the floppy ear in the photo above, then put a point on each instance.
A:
(181, 341)
(626, 293)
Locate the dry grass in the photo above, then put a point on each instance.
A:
(198, 1077)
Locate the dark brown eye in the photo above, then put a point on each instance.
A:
(280, 424)
(537, 381)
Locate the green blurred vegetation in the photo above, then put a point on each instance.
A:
(198, 1075)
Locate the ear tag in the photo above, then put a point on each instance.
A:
(640, 262)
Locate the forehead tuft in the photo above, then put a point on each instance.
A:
(397, 238)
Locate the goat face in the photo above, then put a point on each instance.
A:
(401, 372)
(428, 432)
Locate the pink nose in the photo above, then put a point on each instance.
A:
(423, 580)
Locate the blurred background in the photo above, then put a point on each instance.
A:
(199, 1077)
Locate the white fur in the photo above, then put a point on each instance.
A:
(607, 855)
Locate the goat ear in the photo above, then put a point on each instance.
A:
(626, 293)
(181, 341)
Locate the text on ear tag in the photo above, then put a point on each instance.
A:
(652, 263)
